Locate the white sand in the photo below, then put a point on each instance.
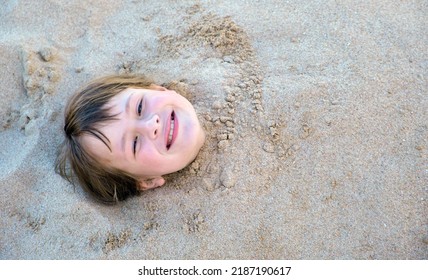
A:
(316, 114)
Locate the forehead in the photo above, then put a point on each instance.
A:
(96, 148)
(118, 103)
(118, 100)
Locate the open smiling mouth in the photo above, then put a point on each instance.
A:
(171, 135)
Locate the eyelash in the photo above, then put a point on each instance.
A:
(140, 107)
(134, 147)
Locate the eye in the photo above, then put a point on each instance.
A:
(134, 146)
(140, 107)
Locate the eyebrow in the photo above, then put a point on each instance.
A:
(128, 103)
(127, 109)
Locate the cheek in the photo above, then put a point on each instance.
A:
(150, 158)
(161, 98)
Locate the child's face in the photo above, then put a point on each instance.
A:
(157, 132)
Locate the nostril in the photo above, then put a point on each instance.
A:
(156, 132)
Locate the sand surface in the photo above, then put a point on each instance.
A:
(316, 114)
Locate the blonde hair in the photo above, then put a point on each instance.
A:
(85, 110)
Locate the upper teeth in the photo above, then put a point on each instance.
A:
(171, 131)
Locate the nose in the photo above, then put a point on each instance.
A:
(149, 127)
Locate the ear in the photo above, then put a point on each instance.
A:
(157, 87)
(151, 183)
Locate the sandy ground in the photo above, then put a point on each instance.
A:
(315, 111)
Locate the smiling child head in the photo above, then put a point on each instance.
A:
(123, 133)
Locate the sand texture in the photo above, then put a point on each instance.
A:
(316, 115)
